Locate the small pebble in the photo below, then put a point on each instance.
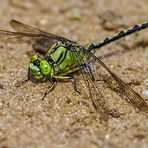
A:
(77, 16)
(107, 136)
(145, 92)
(1, 86)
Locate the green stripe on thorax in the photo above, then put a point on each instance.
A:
(62, 56)
(67, 56)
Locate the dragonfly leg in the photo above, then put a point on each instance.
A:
(75, 84)
(61, 77)
(49, 89)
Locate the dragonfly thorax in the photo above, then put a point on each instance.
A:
(61, 57)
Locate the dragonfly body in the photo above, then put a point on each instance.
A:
(62, 57)
(59, 60)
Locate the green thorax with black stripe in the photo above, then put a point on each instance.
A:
(62, 56)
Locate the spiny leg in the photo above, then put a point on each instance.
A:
(61, 77)
(75, 84)
(49, 88)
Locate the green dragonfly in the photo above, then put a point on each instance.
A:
(58, 57)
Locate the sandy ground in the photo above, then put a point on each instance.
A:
(64, 119)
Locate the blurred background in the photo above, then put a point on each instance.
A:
(63, 119)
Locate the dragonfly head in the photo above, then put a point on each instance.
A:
(39, 67)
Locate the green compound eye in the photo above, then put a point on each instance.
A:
(45, 67)
(35, 69)
(33, 58)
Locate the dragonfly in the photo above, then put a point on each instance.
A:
(57, 58)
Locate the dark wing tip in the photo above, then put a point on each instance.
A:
(14, 22)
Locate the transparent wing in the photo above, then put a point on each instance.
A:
(95, 95)
(133, 97)
(40, 40)
(19, 36)
(20, 27)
